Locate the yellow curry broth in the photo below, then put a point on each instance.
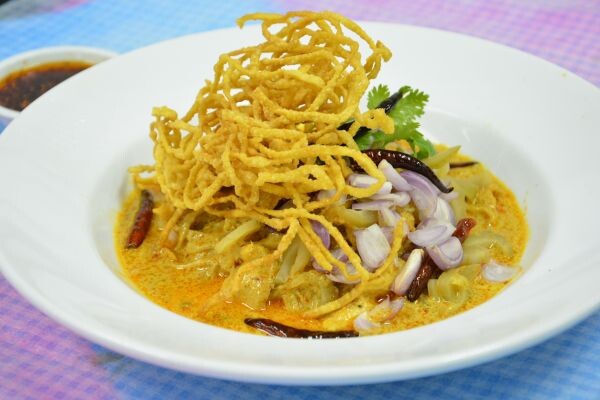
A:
(191, 290)
(151, 270)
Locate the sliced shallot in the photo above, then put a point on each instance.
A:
(443, 211)
(375, 205)
(431, 232)
(337, 253)
(399, 199)
(394, 177)
(365, 181)
(372, 246)
(362, 323)
(496, 272)
(424, 193)
(388, 231)
(361, 180)
(446, 255)
(389, 217)
(396, 305)
(386, 310)
(322, 232)
(408, 273)
(386, 188)
(336, 275)
(382, 312)
(449, 196)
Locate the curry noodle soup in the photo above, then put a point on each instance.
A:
(276, 205)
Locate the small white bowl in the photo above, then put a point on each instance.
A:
(46, 55)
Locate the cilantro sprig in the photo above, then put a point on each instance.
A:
(405, 114)
(377, 95)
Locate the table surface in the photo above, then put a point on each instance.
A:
(40, 359)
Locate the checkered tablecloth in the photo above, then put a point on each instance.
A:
(39, 359)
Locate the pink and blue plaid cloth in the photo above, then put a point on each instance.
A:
(40, 359)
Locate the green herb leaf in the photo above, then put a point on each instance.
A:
(424, 146)
(410, 107)
(377, 95)
(406, 126)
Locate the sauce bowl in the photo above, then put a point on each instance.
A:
(45, 55)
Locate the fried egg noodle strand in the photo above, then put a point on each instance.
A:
(265, 129)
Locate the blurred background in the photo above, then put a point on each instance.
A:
(562, 31)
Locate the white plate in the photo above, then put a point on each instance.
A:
(62, 173)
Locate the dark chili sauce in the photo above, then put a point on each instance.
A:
(20, 88)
